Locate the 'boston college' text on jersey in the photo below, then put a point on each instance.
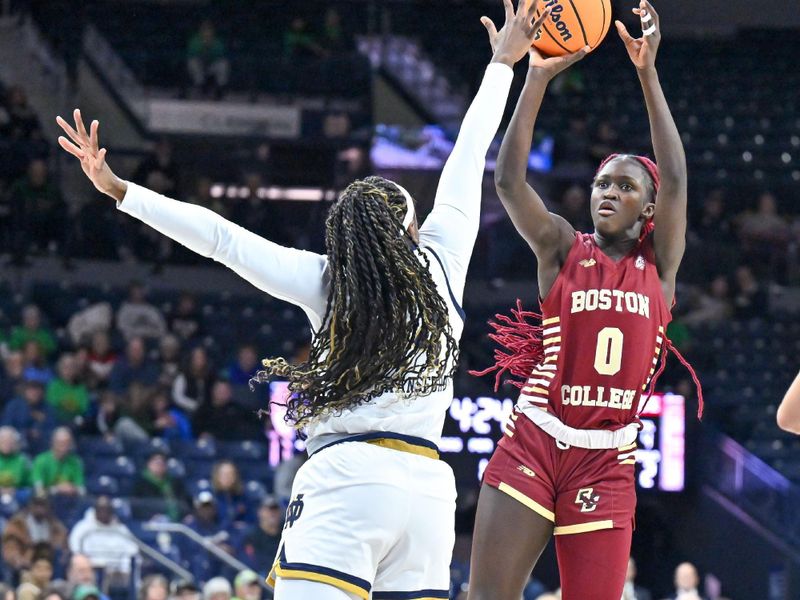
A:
(603, 330)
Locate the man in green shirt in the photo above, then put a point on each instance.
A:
(68, 397)
(59, 470)
(207, 60)
(31, 329)
(15, 471)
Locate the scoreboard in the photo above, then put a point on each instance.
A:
(473, 427)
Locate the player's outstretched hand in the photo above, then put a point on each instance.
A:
(551, 66)
(643, 50)
(85, 147)
(512, 42)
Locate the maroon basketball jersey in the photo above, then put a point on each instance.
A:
(603, 330)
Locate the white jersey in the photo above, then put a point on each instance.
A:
(447, 238)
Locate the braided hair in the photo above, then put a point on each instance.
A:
(386, 328)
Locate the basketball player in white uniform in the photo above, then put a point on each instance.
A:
(372, 511)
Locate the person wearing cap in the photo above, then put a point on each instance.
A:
(59, 470)
(87, 592)
(262, 541)
(29, 414)
(217, 588)
(207, 522)
(247, 586)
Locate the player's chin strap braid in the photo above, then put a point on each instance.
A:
(522, 339)
(670, 347)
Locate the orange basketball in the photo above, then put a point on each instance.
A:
(572, 24)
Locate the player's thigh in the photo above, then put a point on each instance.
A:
(593, 565)
(509, 537)
(295, 589)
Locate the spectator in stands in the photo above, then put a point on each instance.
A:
(186, 321)
(184, 590)
(750, 299)
(105, 540)
(169, 422)
(713, 224)
(32, 329)
(334, 39)
(100, 360)
(169, 352)
(12, 377)
(36, 366)
(192, 387)
(40, 213)
(764, 234)
(261, 542)
(6, 592)
(207, 61)
(222, 419)
(605, 141)
(21, 122)
(217, 588)
(59, 470)
(241, 371)
(39, 577)
(631, 591)
(95, 318)
(138, 318)
(574, 208)
(53, 593)
(154, 587)
(108, 420)
(15, 469)
(686, 582)
(300, 43)
(88, 592)
(711, 306)
(285, 473)
(132, 368)
(206, 521)
(30, 415)
(66, 394)
(158, 170)
(155, 482)
(247, 586)
(31, 527)
(80, 573)
(226, 484)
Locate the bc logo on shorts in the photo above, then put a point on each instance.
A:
(587, 499)
(294, 510)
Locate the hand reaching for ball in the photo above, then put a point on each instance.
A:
(512, 42)
(643, 50)
(551, 66)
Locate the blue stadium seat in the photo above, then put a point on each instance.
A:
(99, 447)
(119, 467)
(194, 449)
(244, 450)
(98, 485)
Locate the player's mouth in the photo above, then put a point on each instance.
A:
(606, 209)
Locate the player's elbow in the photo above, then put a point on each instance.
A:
(505, 183)
(787, 421)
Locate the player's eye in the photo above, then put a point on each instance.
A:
(601, 184)
(626, 187)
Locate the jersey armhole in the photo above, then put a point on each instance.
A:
(579, 238)
(455, 302)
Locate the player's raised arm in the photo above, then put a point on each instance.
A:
(789, 410)
(286, 273)
(547, 234)
(670, 215)
(453, 223)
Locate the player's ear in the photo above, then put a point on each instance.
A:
(649, 210)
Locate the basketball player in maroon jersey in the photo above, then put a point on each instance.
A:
(565, 465)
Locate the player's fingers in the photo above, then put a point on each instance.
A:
(571, 59)
(79, 125)
(93, 141)
(532, 10)
(648, 6)
(100, 160)
(509, 10)
(68, 130)
(489, 24)
(537, 25)
(71, 148)
(623, 32)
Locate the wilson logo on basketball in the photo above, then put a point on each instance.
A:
(555, 16)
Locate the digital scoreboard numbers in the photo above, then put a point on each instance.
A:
(473, 426)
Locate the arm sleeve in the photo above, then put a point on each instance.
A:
(452, 226)
(288, 274)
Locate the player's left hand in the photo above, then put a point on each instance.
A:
(643, 50)
(553, 65)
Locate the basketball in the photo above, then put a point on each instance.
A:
(572, 25)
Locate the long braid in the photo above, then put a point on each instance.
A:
(385, 328)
